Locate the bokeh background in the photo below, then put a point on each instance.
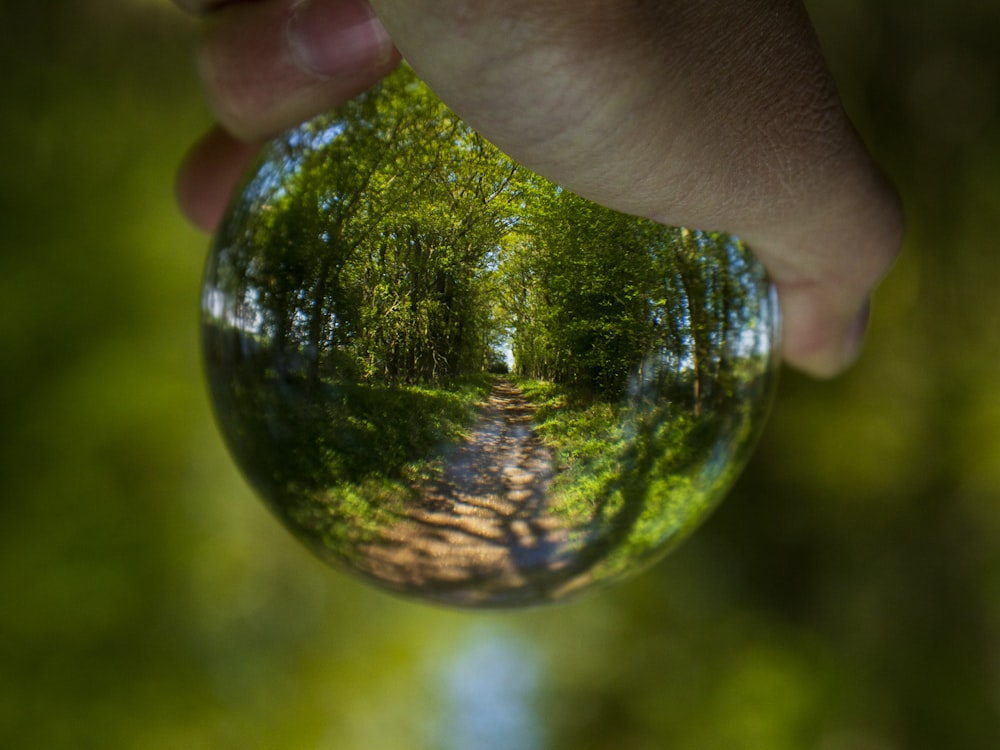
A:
(846, 596)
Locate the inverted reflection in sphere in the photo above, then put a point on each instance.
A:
(461, 382)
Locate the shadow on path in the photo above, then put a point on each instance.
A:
(485, 529)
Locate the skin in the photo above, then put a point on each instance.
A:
(701, 113)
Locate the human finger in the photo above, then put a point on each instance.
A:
(266, 66)
(826, 264)
(209, 173)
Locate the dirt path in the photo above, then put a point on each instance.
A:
(486, 520)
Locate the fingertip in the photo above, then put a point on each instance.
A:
(208, 176)
(266, 66)
(820, 341)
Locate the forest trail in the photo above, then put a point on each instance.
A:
(486, 520)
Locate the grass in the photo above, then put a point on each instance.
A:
(587, 439)
(632, 479)
(337, 461)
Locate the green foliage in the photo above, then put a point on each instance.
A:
(368, 238)
(639, 476)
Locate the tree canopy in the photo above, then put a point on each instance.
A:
(389, 242)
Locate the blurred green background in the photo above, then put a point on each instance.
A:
(846, 596)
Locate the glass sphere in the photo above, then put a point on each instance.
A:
(463, 383)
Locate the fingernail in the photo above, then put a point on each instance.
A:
(330, 38)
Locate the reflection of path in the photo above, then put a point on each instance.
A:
(486, 521)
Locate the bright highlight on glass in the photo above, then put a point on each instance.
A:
(458, 381)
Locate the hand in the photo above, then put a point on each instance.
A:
(700, 113)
